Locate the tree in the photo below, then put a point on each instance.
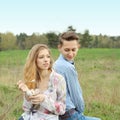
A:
(7, 41)
(70, 28)
(21, 40)
(95, 42)
(86, 39)
(52, 39)
(35, 39)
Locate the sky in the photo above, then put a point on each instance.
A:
(42, 16)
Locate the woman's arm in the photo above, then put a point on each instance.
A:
(58, 106)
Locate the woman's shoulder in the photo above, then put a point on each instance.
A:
(57, 79)
(56, 76)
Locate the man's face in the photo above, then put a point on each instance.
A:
(69, 49)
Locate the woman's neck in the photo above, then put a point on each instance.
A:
(44, 75)
(44, 82)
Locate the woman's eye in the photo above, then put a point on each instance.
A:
(48, 56)
(40, 57)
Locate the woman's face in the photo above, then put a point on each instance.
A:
(43, 59)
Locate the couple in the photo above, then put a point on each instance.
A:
(53, 91)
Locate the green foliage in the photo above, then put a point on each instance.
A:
(70, 28)
(52, 39)
(86, 39)
(35, 39)
(21, 40)
(9, 41)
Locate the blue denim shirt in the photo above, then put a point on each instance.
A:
(74, 93)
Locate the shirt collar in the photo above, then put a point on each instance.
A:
(62, 57)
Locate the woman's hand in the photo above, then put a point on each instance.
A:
(37, 98)
(22, 86)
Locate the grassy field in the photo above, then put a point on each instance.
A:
(99, 75)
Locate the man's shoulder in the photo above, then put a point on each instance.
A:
(60, 64)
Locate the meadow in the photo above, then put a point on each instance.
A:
(99, 75)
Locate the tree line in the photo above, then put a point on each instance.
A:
(9, 41)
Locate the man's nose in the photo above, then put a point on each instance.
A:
(70, 53)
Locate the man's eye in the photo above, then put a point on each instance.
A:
(74, 50)
(66, 50)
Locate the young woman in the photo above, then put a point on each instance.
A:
(44, 89)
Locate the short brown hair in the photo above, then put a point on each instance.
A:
(68, 36)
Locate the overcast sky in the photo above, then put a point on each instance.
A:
(41, 16)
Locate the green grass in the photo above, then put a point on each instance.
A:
(12, 58)
(99, 75)
(10, 102)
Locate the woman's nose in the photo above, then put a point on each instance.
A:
(46, 59)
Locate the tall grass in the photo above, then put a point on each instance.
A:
(99, 75)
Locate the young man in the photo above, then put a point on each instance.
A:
(68, 47)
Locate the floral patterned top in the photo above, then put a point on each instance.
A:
(54, 103)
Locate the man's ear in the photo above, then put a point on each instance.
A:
(79, 45)
(59, 46)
